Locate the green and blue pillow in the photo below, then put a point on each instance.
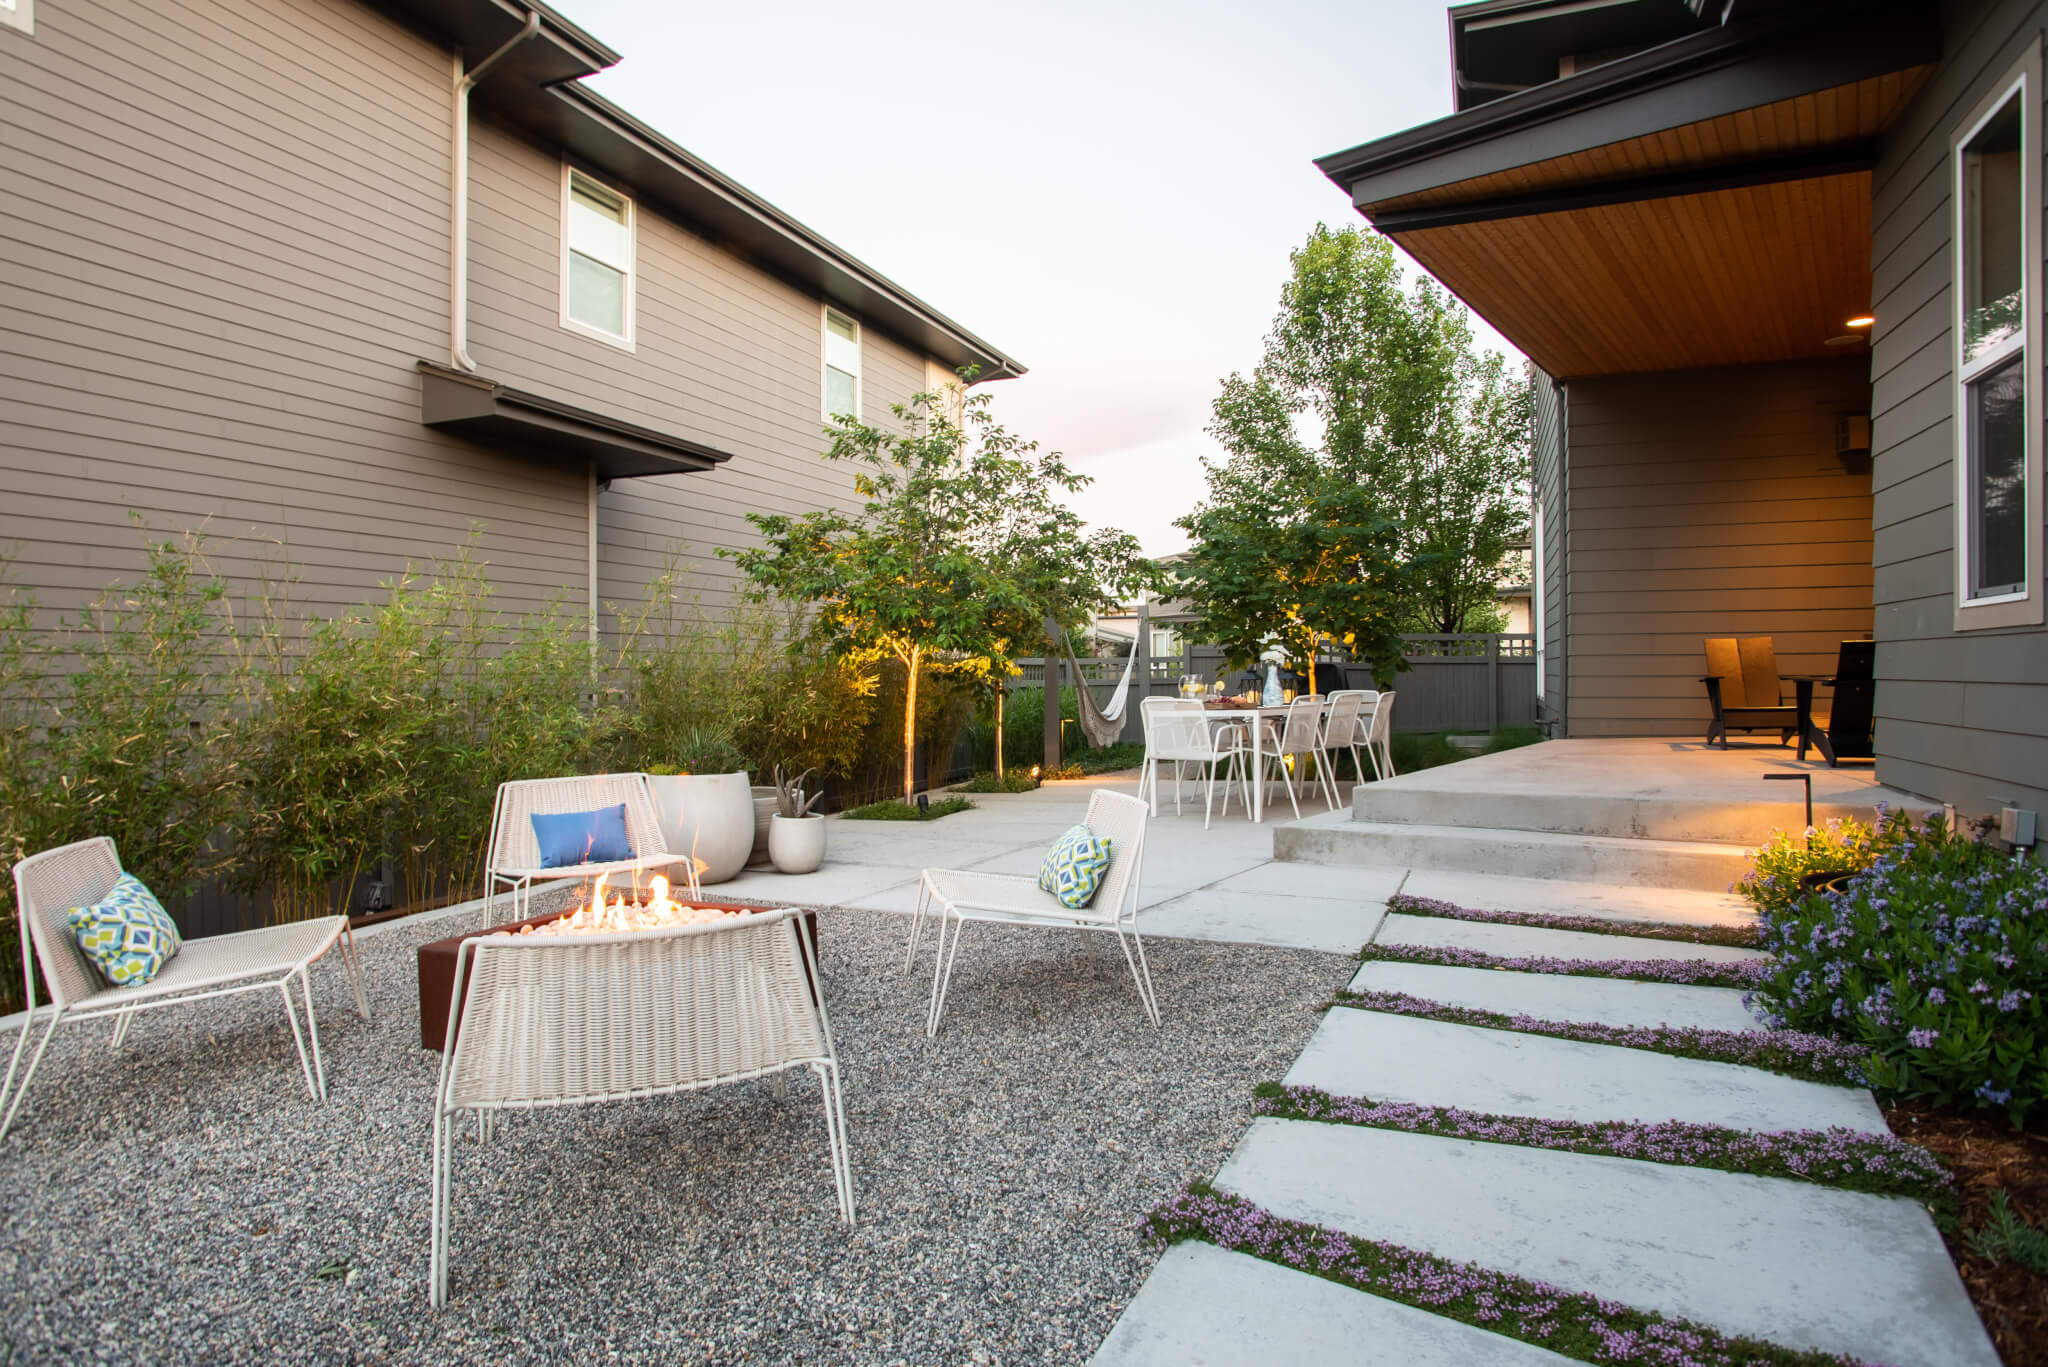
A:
(127, 934)
(1074, 868)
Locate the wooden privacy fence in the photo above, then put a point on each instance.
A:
(1474, 682)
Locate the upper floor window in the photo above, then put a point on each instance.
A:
(842, 366)
(597, 259)
(1997, 167)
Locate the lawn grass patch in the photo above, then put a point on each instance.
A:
(895, 809)
(1016, 781)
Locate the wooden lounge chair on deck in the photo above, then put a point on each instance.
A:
(1744, 688)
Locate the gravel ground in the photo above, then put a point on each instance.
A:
(183, 1201)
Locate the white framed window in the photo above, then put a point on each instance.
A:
(1996, 156)
(597, 260)
(841, 366)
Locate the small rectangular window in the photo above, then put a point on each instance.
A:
(1997, 186)
(842, 366)
(597, 259)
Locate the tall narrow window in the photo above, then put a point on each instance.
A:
(597, 259)
(1998, 262)
(842, 366)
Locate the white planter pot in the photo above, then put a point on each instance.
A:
(764, 807)
(796, 844)
(709, 815)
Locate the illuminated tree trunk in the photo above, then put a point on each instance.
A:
(910, 726)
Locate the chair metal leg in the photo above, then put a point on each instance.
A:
(20, 1092)
(313, 1030)
(121, 1024)
(284, 989)
(353, 964)
(1141, 974)
(924, 893)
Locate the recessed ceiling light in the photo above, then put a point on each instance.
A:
(1861, 321)
(1847, 339)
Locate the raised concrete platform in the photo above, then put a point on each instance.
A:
(1607, 1001)
(1803, 1265)
(1563, 897)
(1441, 932)
(1434, 1063)
(1644, 789)
(1204, 1306)
(1336, 838)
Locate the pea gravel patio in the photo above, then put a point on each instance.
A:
(182, 1201)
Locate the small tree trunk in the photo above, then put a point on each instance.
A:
(910, 727)
(1001, 689)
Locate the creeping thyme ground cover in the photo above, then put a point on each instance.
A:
(1881, 1164)
(1932, 962)
(1690, 972)
(1793, 1053)
(1741, 937)
(1572, 1323)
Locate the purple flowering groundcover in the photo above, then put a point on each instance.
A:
(1571, 1323)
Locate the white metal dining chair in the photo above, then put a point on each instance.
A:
(1340, 730)
(1379, 743)
(1361, 727)
(1300, 741)
(1182, 731)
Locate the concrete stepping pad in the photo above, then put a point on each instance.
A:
(1557, 944)
(1556, 996)
(1434, 1063)
(1205, 1306)
(1802, 1265)
(1562, 897)
(1329, 924)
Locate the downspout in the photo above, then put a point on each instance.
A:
(592, 543)
(458, 194)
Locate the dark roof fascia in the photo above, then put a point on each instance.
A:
(1705, 75)
(498, 415)
(618, 147)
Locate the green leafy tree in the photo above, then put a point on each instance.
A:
(1375, 400)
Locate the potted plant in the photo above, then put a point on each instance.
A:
(796, 836)
(710, 816)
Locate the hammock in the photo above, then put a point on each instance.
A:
(1102, 725)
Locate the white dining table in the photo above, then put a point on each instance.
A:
(1258, 717)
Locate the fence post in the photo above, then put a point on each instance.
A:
(1052, 695)
(1493, 683)
(1141, 670)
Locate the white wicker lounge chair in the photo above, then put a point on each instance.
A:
(48, 885)
(561, 1020)
(957, 895)
(514, 857)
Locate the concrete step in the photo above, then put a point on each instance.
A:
(1334, 838)
(1645, 818)
(1802, 1265)
(1441, 932)
(1563, 897)
(1204, 1306)
(1554, 996)
(1434, 1063)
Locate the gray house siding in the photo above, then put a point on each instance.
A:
(1708, 503)
(216, 290)
(214, 293)
(1552, 497)
(1962, 715)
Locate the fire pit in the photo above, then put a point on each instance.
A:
(623, 914)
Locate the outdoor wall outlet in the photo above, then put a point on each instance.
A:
(2016, 827)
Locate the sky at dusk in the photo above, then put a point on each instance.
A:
(1106, 192)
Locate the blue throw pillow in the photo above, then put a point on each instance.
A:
(1074, 868)
(127, 934)
(571, 838)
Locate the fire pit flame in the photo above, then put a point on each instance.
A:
(625, 914)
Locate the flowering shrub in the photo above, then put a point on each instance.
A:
(1742, 937)
(1935, 961)
(1690, 972)
(1881, 1164)
(1572, 1323)
(1816, 1058)
(1841, 846)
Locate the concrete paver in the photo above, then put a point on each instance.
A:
(1339, 927)
(1607, 1001)
(1559, 897)
(1519, 941)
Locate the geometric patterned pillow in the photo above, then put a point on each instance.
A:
(1073, 870)
(127, 934)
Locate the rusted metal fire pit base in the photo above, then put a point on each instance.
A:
(437, 966)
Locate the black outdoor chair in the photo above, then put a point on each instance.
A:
(1851, 714)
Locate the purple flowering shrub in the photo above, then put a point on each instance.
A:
(1742, 937)
(1841, 846)
(1571, 1323)
(1934, 960)
(1880, 1164)
(1689, 972)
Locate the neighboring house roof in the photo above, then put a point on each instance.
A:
(533, 89)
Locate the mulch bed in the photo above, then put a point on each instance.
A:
(1986, 1153)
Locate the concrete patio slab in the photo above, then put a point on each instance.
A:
(1608, 1001)
(1803, 1265)
(1348, 882)
(833, 885)
(1434, 1063)
(1560, 897)
(1336, 927)
(1336, 838)
(1205, 1306)
(1560, 944)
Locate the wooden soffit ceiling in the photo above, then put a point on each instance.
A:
(1738, 239)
